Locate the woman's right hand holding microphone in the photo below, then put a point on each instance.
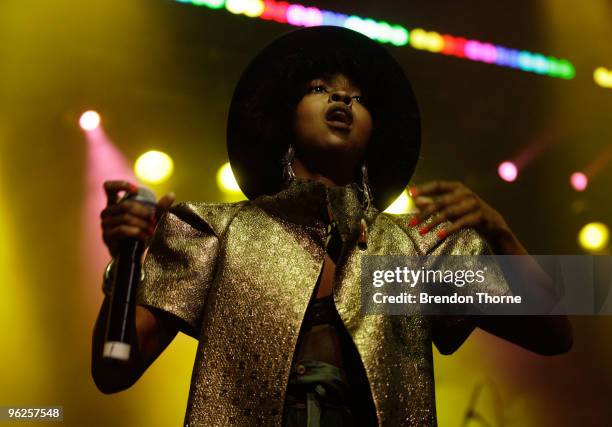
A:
(129, 219)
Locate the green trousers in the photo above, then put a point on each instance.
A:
(317, 396)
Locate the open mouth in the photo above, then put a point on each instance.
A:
(339, 118)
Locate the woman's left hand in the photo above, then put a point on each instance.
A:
(454, 202)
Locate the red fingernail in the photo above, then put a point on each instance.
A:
(442, 234)
(133, 188)
(413, 221)
(413, 191)
(423, 230)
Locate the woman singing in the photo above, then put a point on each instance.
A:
(323, 133)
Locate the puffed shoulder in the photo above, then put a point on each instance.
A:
(464, 242)
(181, 260)
(207, 216)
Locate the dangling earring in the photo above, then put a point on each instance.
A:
(362, 240)
(288, 174)
(367, 192)
(368, 200)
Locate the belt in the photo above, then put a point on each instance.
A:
(321, 385)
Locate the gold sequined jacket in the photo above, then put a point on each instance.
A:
(240, 277)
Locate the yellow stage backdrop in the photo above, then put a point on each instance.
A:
(58, 58)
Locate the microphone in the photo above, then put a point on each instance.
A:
(120, 322)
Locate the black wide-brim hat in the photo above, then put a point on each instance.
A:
(258, 136)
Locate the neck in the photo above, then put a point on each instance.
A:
(331, 176)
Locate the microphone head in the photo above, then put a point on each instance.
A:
(144, 195)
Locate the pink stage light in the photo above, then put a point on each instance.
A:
(90, 120)
(579, 181)
(507, 171)
(483, 52)
(104, 162)
(299, 15)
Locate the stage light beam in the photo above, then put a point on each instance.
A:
(594, 236)
(579, 181)
(403, 204)
(89, 121)
(383, 32)
(154, 167)
(603, 77)
(226, 180)
(507, 171)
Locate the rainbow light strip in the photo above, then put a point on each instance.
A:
(383, 32)
(603, 77)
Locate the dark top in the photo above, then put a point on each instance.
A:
(324, 338)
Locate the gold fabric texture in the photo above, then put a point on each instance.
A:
(241, 275)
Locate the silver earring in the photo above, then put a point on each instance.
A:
(367, 192)
(287, 160)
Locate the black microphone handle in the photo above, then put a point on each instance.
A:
(120, 323)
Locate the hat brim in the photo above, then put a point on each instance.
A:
(391, 156)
